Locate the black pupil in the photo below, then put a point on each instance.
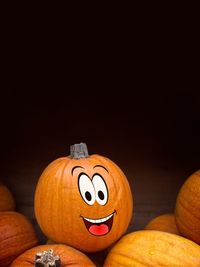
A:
(101, 195)
(88, 195)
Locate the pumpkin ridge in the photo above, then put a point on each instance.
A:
(29, 261)
(165, 236)
(184, 228)
(50, 206)
(187, 188)
(61, 181)
(179, 238)
(157, 250)
(53, 164)
(26, 258)
(23, 248)
(125, 183)
(17, 236)
(187, 207)
(191, 213)
(131, 259)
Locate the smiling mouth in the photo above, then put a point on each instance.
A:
(100, 226)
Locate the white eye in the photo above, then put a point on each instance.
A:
(100, 189)
(86, 189)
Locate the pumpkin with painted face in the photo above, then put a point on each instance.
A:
(84, 201)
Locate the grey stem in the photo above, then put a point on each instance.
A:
(47, 259)
(78, 151)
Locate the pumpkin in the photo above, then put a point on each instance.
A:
(84, 201)
(7, 202)
(153, 248)
(164, 222)
(60, 255)
(16, 235)
(187, 208)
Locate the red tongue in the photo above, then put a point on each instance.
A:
(99, 229)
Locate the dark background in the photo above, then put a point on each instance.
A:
(152, 134)
(160, 123)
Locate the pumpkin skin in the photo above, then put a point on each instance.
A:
(7, 202)
(16, 235)
(153, 248)
(187, 207)
(68, 256)
(165, 223)
(60, 193)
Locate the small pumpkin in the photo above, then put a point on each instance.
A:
(153, 248)
(84, 201)
(164, 222)
(16, 235)
(58, 255)
(187, 207)
(7, 202)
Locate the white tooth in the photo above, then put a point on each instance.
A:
(104, 219)
(99, 220)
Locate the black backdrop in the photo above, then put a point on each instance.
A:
(160, 124)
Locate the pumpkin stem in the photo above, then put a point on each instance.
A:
(47, 259)
(78, 151)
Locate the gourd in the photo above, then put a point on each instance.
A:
(153, 249)
(164, 222)
(52, 255)
(7, 202)
(84, 201)
(187, 208)
(16, 235)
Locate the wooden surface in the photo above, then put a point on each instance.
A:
(154, 186)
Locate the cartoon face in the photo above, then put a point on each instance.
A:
(91, 206)
(93, 190)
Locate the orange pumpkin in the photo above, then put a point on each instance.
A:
(153, 249)
(7, 202)
(83, 201)
(68, 256)
(164, 222)
(16, 235)
(187, 208)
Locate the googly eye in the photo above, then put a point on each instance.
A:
(101, 190)
(86, 189)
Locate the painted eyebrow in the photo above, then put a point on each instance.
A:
(75, 168)
(101, 167)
